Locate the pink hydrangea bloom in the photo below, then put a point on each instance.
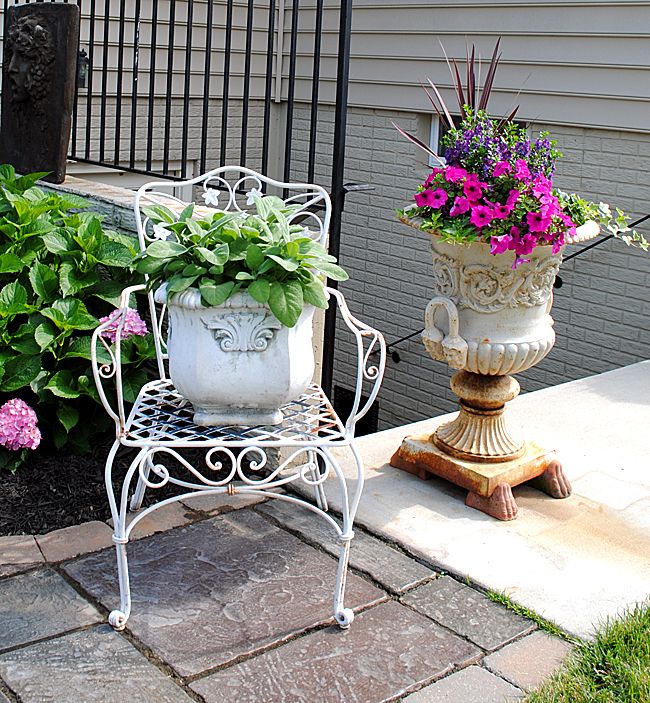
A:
(18, 426)
(481, 216)
(133, 325)
(460, 206)
(501, 168)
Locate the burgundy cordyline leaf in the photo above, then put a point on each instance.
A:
(489, 79)
(507, 119)
(442, 117)
(417, 142)
(442, 102)
(471, 81)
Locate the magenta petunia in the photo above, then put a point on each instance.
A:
(481, 216)
(513, 197)
(499, 244)
(453, 174)
(432, 198)
(501, 212)
(541, 185)
(501, 168)
(537, 222)
(431, 176)
(518, 261)
(558, 243)
(525, 245)
(472, 191)
(522, 172)
(461, 206)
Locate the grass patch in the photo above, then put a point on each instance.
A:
(614, 668)
(542, 623)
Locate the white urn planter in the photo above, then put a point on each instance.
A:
(236, 363)
(488, 320)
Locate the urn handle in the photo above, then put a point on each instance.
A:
(451, 348)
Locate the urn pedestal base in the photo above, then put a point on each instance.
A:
(489, 484)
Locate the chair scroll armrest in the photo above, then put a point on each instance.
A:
(370, 342)
(106, 357)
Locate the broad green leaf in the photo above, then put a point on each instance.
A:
(244, 276)
(44, 281)
(62, 385)
(19, 372)
(159, 213)
(44, 335)
(336, 273)
(72, 281)
(259, 290)
(80, 348)
(216, 257)
(148, 265)
(165, 249)
(13, 299)
(177, 284)
(215, 294)
(23, 340)
(10, 263)
(187, 213)
(314, 293)
(287, 264)
(286, 301)
(114, 254)
(194, 228)
(57, 243)
(254, 257)
(68, 415)
(70, 314)
(193, 270)
(110, 291)
(293, 249)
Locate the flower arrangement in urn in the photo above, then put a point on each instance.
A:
(498, 228)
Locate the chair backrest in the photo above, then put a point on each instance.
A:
(227, 188)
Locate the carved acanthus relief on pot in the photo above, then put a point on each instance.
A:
(243, 331)
(485, 288)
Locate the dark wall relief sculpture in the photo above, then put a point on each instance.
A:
(39, 82)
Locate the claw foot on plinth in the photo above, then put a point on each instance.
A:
(501, 504)
(344, 618)
(117, 620)
(553, 481)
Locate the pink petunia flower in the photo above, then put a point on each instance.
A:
(518, 261)
(522, 172)
(431, 176)
(133, 325)
(431, 198)
(513, 197)
(481, 216)
(472, 191)
(453, 174)
(499, 244)
(461, 206)
(501, 168)
(501, 212)
(541, 185)
(18, 426)
(537, 222)
(558, 243)
(525, 245)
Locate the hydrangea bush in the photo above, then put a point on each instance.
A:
(495, 184)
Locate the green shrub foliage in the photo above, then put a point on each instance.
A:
(59, 272)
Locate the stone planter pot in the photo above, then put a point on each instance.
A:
(236, 363)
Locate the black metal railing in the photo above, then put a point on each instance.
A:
(175, 87)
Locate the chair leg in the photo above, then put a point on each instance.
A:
(117, 618)
(344, 616)
(138, 494)
(315, 474)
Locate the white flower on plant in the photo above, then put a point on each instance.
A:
(160, 232)
(211, 197)
(251, 195)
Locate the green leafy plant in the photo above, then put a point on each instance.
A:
(59, 272)
(260, 252)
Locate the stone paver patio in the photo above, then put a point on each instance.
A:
(237, 607)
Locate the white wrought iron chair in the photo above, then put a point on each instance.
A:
(159, 425)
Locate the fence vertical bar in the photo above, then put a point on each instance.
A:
(170, 85)
(313, 122)
(338, 190)
(226, 84)
(186, 87)
(73, 134)
(134, 82)
(206, 88)
(152, 81)
(268, 85)
(102, 113)
(89, 86)
(291, 91)
(120, 76)
(247, 83)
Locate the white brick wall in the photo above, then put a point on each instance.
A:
(602, 313)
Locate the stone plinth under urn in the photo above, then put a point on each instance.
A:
(489, 321)
(39, 78)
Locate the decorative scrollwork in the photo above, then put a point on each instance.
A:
(243, 331)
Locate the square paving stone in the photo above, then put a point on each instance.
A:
(215, 590)
(389, 567)
(468, 612)
(40, 604)
(387, 651)
(471, 685)
(94, 666)
(3, 698)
